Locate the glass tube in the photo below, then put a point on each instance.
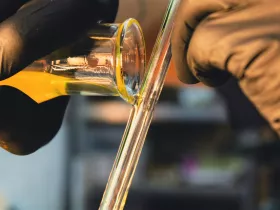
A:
(109, 61)
(126, 161)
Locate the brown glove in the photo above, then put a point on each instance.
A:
(216, 39)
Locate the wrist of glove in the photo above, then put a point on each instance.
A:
(216, 39)
(30, 30)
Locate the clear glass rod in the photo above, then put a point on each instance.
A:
(126, 161)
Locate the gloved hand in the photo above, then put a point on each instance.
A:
(214, 40)
(30, 30)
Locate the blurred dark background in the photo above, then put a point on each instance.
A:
(207, 149)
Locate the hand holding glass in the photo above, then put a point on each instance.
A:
(110, 61)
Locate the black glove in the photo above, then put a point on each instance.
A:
(30, 30)
(216, 39)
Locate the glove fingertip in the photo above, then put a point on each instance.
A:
(187, 77)
(183, 71)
